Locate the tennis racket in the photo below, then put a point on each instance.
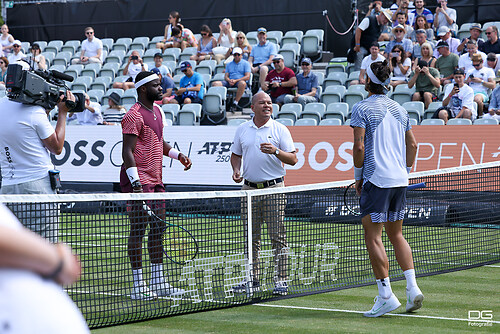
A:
(178, 244)
(351, 199)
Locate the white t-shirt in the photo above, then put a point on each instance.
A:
(23, 156)
(29, 304)
(134, 69)
(164, 70)
(258, 166)
(464, 98)
(87, 117)
(12, 58)
(466, 63)
(224, 40)
(398, 75)
(484, 73)
(91, 48)
(367, 61)
(442, 19)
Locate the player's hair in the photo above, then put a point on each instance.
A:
(382, 72)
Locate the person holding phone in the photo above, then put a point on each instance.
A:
(399, 65)
(445, 16)
(426, 81)
(458, 101)
(134, 66)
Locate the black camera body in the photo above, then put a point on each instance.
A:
(41, 88)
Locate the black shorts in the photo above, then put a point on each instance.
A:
(181, 99)
(382, 204)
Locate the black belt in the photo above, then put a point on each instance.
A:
(265, 184)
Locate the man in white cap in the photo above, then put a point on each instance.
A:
(280, 81)
(399, 32)
(444, 34)
(475, 33)
(237, 74)
(17, 53)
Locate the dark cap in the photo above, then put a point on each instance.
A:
(115, 98)
(262, 30)
(185, 65)
(491, 56)
(458, 71)
(155, 70)
(442, 44)
(158, 55)
(422, 63)
(306, 60)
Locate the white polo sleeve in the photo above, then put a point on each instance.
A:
(286, 141)
(236, 147)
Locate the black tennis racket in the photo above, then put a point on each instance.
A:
(351, 199)
(179, 245)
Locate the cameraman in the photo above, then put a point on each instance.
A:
(26, 140)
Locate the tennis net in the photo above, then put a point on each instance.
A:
(317, 245)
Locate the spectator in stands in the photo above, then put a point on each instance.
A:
(191, 87)
(91, 49)
(115, 112)
(420, 10)
(242, 43)
(167, 85)
(307, 90)
(369, 31)
(374, 8)
(36, 59)
(6, 40)
(444, 34)
(134, 66)
(475, 33)
(206, 44)
(445, 16)
(426, 82)
(399, 31)
(421, 38)
(465, 60)
(280, 81)
(446, 63)
(3, 71)
(400, 6)
(237, 75)
(262, 56)
(426, 56)
(494, 108)
(422, 24)
(491, 62)
(458, 101)
(402, 18)
(400, 66)
(90, 116)
(183, 37)
(17, 53)
(226, 40)
(164, 70)
(492, 44)
(174, 19)
(367, 61)
(480, 79)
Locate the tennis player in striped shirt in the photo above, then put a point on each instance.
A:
(384, 151)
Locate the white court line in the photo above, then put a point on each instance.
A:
(492, 266)
(360, 312)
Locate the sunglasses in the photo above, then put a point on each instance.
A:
(204, 34)
(183, 71)
(236, 54)
(16, 46)
(488, 33)
(276, 62)
(399, 31)
(240, 37)
(304, 64)
(89, 32)
(476, 65)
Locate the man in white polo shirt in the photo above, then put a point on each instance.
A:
(264, 145)
(91, 49)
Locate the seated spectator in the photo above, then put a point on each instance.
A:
(444, 35)
(421, 24)
(402, 18)
(36, 59)
(367, 61)
(307, 85)
(91, 49)
(115, 112)
(458, 101)
(426, 82)
(447, 63)
(17, 53)
(90, 116)
(3, 71)
(420, 10)
(226, 40)
(421, 37)
(475, 33)
(205, 45)
(493, 63)
(280, 81)
(242, 43)
(237, 75)
(465, 60)
(400, 6)
(6, 40)
(262, 56)
(445, 16)
(134, 66)
(174, 19)
(183, 37)
(167, 85)
(399, 65)
(494, 108)
(480, 79)
(492, 44)
(399, 32)
(164, 70)
(191, 87)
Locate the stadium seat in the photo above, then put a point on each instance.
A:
(95, 95)
(276, 109)
(220, 68)
(91, 70)
(335, 78)
(206, 66)
(415, 109)
(290, 110)
(189, 114)
(464, 31)
(59, 68)
(118, 91)
(102, 83)
(354, 75)
(252, 37)
(54, 46)
(291, 55)
(334, 67)
(459, 121)
(74, 70)
(312, 43)
(122, 43)
(153, 41)
(330, 121)
(82, 83)
(171, 54)
(170, 111)
(109, 70)
(177, 79)
(217, 77)
(321, 78)
(306, 122)
(292, 36)
(285, 121)
(71, 46)
(413, 121)
(347, 122)
(214, 103)
(433, 106)
(129, 53)
(485, 121)
(314, 110)
(333, 94)
(338, 110)
(129, 96)
(115, 56)
(62, 58)
(42, 44)
(275, 36)
(187, 53)
(149, 55)
(236, 121)
(432, 121)
(139, 43)
(354, 94)
(402, 93)
(107, 44)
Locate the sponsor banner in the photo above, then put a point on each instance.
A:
(93, 153)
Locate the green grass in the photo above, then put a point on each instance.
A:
(449, 295)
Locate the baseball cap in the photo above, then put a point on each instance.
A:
(155, 70)
(475, 26)
(491, 56)
(420, 31)
(459, 71)
(399, 26)
(158, 55)
(306, 60)
(17, 42)
(185, 65)
(443, 31)
(442, 44)
(237, 50)
(115, 98)
(388, 14)
(277, 57)
(262, 29)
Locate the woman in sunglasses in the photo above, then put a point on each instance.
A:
(205, 45)
(36, 59)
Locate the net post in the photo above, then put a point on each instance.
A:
(249, 239)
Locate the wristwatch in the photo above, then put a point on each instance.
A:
(277, 151)
(136, 184)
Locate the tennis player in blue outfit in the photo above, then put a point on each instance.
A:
(384, 151)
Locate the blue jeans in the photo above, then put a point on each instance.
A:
(41, 218)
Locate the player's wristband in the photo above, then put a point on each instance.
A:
(173, 153)
(358, 173)
(56, 271)
(408, 169)
(133, 174)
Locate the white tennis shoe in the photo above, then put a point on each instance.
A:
(142, 292)
(280, 288)
(414, 299)
(163, 289)
(383, 306)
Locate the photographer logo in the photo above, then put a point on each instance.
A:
(482, 318)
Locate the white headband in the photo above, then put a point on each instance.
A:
(376, 80)
(146, 80)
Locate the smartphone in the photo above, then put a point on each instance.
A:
(394, 54)
(455, 85)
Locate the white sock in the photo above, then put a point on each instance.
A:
(137, 276)
(410, 278)
(156, 272)
(384, 287)
(235, 102)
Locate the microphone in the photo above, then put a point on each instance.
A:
(62, 76)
